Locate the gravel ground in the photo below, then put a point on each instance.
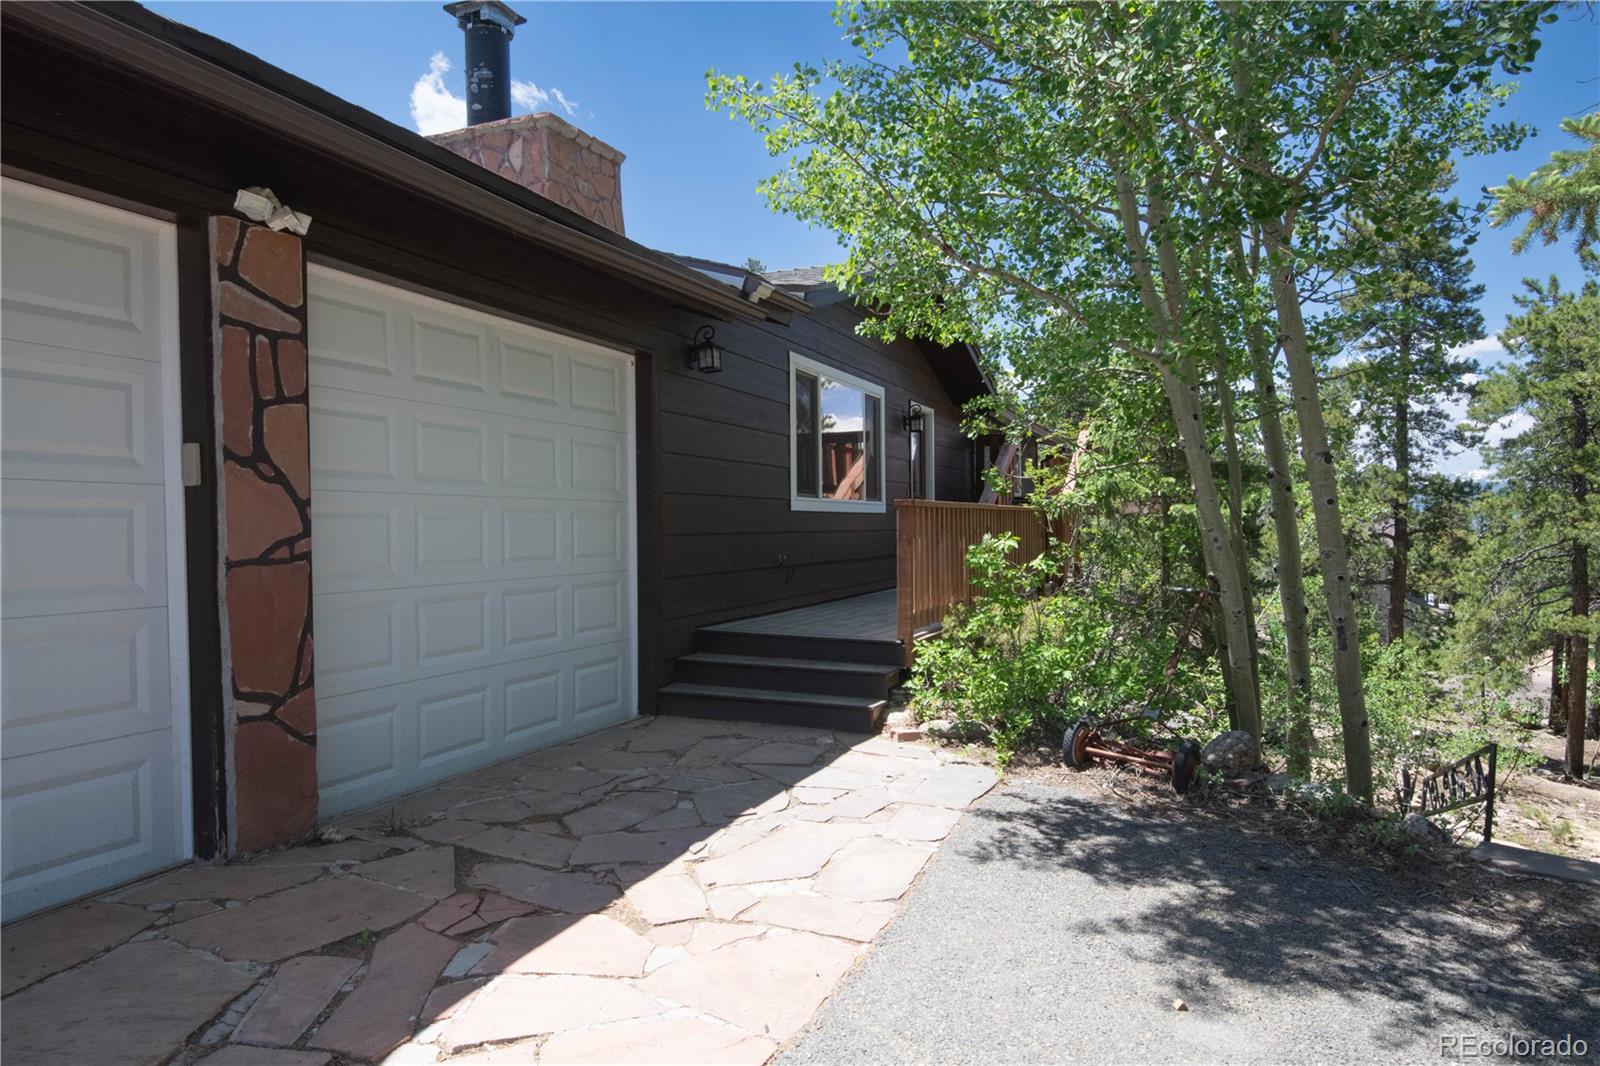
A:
(1058, 927)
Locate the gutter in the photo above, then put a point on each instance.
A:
(126, 36)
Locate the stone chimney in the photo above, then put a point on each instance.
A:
(550, 156)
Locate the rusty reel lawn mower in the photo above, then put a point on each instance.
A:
(1090, 741)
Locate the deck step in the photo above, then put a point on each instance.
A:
(835, 678)
(856, 714)
(789, 646)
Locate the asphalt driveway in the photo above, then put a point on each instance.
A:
(1055, 927)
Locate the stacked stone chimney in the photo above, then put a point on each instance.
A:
(550, 156)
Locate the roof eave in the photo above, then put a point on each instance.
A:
(166, 53)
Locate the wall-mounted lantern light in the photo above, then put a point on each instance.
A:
(913, 418)
(705, 356)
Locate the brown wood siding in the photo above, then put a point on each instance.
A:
(717, 538)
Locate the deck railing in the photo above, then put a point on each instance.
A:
(931, 542)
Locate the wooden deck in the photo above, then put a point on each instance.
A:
(866, 617)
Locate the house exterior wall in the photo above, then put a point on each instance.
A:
(717, 538)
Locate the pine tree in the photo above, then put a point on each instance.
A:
(1546, 470)
(1563, 196)
(1412, 302)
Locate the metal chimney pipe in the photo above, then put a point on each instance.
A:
(488, 26)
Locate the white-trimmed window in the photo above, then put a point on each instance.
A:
(835, 439)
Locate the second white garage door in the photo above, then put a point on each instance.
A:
(472, 538)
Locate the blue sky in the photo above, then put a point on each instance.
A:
(633, 74)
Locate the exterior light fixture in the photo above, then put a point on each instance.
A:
(705, 356)
(913, 418)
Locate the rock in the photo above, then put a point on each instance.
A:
(1179, 1004)
(938, 727)
(1231, 754)
(1422, 831)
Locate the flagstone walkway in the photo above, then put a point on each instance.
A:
(671, 890)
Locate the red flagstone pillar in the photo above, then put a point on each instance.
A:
(259, 333)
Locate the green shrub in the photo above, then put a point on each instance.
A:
(1027, 658)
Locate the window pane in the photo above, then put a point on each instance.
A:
(805, 434)
(844, 441)
(874, 431)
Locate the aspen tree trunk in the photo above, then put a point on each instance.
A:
(1180, 383)
(1291, 568)
(1321, 480)
(1230, 444)
(1400, 505)
(1286, 527)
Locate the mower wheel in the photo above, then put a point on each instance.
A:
(1185, 765)
(1074, 747)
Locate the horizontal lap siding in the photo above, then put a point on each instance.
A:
(732, 546)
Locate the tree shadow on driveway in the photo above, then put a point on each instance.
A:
(1227, 914)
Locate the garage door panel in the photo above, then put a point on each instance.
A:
(76, 679)
(474, 544)
(371, 541)
(77, 275)
(87, 817)
(380, 742)
(72, 547)
(354, 442)
(394, 636)
(92, 683)
(360, 445)
(369, 338)
(80, 416)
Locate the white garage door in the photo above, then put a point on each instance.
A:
(95, 704)
(472, 538)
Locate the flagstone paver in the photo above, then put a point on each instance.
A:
(518, 1006)
(538, 848)
(921, 823)
(57, 941)
(666, 890)
(468, 912)
(770, 985)
(592, 945)
(872, 869)
(218, 882)
(822, 914)
(300, 919)
(556, 890)
(796, 850)
(429, 872)
(240, 1055)
(133, 1005)
(380, 1014)
(299, 991)
(665, 898)
(659, 1040)
(628, 809)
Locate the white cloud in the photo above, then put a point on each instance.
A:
(1480, 473)
(434, 108)
(1512, 425)
(528, 96)
(1483, 346)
